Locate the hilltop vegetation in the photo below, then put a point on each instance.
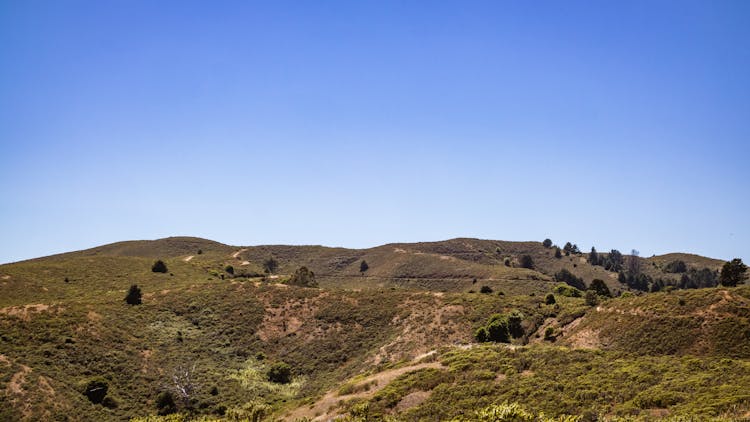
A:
(411, 331)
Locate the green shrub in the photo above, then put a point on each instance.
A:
(280, 373)
(159, 267)
(550, 299)
(134, 295)
(567, 291)
(485, 290)
(303, 277)
(96, 390)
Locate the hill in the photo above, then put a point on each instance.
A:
(398, 340)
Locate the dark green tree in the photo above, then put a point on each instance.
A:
(558, 254)
(134, 295)
(547, 243)
(363, 266)
(485, 289)
(96, 390)
(600, 288)
(550, 299)
(567, 248)
(229, 269)
(514, 324)
(159, 267)
(270, 265)
(591, 298)
(497, 329)
(165, 404)
(593, 257)
(732, 273)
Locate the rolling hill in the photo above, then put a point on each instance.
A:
(395, 341)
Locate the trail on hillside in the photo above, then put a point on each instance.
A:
(188, 258)
(236, 254)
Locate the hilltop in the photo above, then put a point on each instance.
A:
(397, 339)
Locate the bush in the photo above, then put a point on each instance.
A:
(549, 334)
(229, 269)
(159, 267)
(134, 295)
(95, 390)
(547, 243)
(600, 288)
(591, 298)
(514, 324)
(570, 279)
(526, 262)
(363, 266)
(270, 265)
(558, 254)
(567, 290)
(303, 277)
(165, 404)
(280, 373)
(550, 299)
(485, 289)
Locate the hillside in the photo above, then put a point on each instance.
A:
(397, 340)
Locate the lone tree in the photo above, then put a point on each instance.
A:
(550, 299)
(733, 272)
(526, 262)
(134, 295)
(558, 254)
(634, 263)
(363, 266)
(159, 267)
(270, 265)
(547, 243)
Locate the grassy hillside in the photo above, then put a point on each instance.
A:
(397, 340)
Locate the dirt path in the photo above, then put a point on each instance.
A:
(188, 258)
(326, 407)
(236, 254)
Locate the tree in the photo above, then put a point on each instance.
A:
(567, 248)
(96, 390)
(600, 288)
(134, 295)
(570, 279)
(485, 290)
(550, 299)
(229, 269)
(677, 266)
(183, 384)
(159, 267)
(527, 262)
(165, 404)
(497, 329)
(547, 243)
(634, 263)
(363, 266)
(591, 298)
(574, 249)
(270, 265)
(514, 324)
(303, 277)
(732, 273)
(593, 257)
(280, 373)
(558, 254)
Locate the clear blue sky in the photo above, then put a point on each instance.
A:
(608, 123)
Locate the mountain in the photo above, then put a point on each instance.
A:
(397, 340)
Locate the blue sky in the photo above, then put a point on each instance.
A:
(614, 124)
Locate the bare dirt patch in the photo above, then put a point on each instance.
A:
(236, 254)
(326, 408)
(15, 386)
(187, 259)
(24, 312)
(412, 400)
